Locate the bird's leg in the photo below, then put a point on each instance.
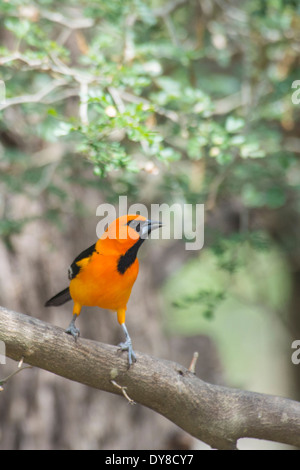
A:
(127, 346)
(72, 330)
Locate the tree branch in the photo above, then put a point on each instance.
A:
(169, 8)
(71, 23)
(35, 98)
(217, 415)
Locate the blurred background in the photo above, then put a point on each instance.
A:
(179, 101)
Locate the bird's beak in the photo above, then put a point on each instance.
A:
(148, 226)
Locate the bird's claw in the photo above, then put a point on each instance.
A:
(72, 330)
(127, 346)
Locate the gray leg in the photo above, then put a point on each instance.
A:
(127, 346)
(72, 330)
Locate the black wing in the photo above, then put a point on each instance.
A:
(74, 268)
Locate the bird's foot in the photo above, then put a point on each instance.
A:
(127, 346)
(72, 330)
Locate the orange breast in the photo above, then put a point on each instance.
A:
(100, 284)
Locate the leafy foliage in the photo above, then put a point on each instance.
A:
(194, 97)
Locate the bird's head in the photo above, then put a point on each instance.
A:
(129, 229)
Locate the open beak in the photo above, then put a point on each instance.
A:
(148, 226)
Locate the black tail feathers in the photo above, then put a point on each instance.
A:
(59, 299)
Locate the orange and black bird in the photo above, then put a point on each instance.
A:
(103, 275)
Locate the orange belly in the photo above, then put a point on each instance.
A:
(100, 284)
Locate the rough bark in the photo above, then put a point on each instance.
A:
(217, 415)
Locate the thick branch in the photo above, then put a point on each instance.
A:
(217, 415)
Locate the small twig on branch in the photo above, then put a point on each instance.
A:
(123, 390)
(214, 188)
(193, 363)
(36, 97)
(129, 46)
(114, 93)
(20, 368)
(34, 13)
(83, 104)
(131, 98)
(172, 30)
(21, 362)
(71, 23)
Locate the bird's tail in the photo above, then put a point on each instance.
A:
(59, 299)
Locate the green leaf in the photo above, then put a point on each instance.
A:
(252, 197)
(52, 112)
(234, 124)
(19, 27)
(63, 129)
(194, 150)
(169, 154)
(224, 158)
(275, 197)
(252, 150)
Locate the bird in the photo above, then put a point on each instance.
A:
(103, 275)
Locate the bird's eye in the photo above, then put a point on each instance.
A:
(136, 225)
